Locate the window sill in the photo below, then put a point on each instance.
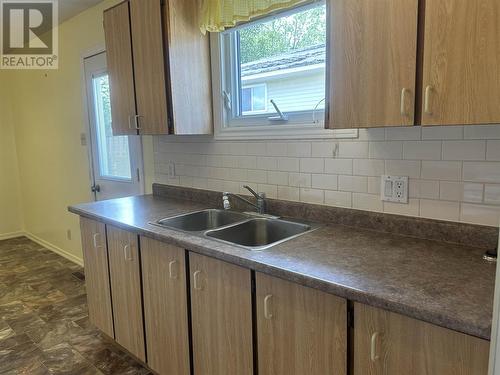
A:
(291, 132)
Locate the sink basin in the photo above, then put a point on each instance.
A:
(202, 220)
(259, 234)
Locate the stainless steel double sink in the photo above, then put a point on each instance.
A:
(248, 230)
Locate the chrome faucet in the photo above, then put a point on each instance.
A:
(260, 206)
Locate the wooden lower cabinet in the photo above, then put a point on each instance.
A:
(386, 343)
(124, 265)
(300, 330)
(165, 307)
(221, 305)
(95, 255)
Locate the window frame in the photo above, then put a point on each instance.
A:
(301, 124)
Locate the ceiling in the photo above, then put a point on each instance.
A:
(70, 8)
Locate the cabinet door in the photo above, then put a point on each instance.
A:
(372, 63)
(124, 267)
(165, 307)
(388, 343)
(189, 65)
(149, 66)
(95, 256)
(461, 78)
(300, 330)
(120, 69)
(221, 303)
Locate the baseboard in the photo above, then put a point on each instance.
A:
(54, 248)
(8, 236)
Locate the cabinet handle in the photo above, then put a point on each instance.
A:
(373, 348)
(173, 275)
(427, 104)
(196, 279)
(267, 314)
(95, 240)
(127, 253)
(403, 102)
(136, 122)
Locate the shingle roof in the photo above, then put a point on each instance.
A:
(301, 57)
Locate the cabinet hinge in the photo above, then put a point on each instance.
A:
(138, 175)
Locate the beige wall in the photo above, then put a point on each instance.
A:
(48, 107)
(10, 199)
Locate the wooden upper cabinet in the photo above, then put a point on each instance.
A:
(221, 305)
(124, 265)
(149, 66)
(389, 343)
(120, 69)
(165, 307)
(159, 66)
(461, 76)
(371, 64)
(300, 330)
(189, 65)
(95, 255)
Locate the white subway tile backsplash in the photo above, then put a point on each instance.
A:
(428, 189)
(403, 133)
(276, 148)
(410, 209)
(451, 191)
(422, 150)
(464, 150)
(299, 149)
(367, 202)
(288, 193)
(353, 149)
(482, 172)
(356, 184)
(338, 198)
(480, 214)
(434, 209)
(368, 167)
(323, 149)
(493, 150)
(482, 132)
(410, 168)
(442, 170)
(386, 150)
(454, 170)
(473, 193)
(300, 179)
(442, 132)
(492, 194)
(338, 166)
(324, 181)
(288, 164)
(312, 196)
(312, 165)
(277, 178)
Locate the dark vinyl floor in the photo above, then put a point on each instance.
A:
(44, 326)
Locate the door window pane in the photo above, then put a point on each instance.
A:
(114, 154)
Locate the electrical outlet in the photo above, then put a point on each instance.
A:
(394, 189)
(171, 170)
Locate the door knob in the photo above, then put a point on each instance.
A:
(95, 188)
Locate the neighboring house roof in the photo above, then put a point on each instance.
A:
(299, 58)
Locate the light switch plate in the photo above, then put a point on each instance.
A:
(394, 189)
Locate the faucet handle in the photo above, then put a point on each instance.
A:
(225, 201)
(256, 195)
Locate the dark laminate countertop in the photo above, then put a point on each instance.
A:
(441, 283)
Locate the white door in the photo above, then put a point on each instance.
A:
(116, 161)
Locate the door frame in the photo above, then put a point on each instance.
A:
(98, 49)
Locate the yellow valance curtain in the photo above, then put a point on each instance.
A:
(217, 15)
